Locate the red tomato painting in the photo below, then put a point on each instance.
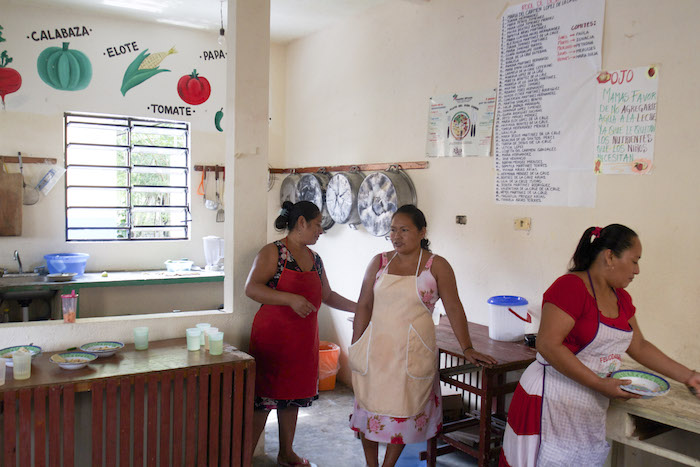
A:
(194, 89)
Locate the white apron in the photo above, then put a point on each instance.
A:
(394, 362)
(573, 416)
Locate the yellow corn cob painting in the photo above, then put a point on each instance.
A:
(153, 60)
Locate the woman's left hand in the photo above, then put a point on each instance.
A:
(693, 384)
(478, 358)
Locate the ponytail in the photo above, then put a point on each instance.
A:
(614, 237)
(291, 212)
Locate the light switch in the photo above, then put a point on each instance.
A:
(522, 223)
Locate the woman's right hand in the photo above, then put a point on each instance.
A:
(301, 305)
(610, 388)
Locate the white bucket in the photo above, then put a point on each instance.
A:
(507, 318)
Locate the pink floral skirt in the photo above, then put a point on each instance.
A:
(393, 430)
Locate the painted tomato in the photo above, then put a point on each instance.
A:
(194, 89)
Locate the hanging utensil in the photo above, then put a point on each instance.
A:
(220, 216)
(208, 203)
(29, 194)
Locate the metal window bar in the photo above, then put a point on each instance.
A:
(130, 124)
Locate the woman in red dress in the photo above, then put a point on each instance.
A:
(288, 279)
(557, 416)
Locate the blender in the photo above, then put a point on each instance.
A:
(214, 253)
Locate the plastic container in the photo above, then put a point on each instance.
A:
(22, 365)
(69, 304)
(507, 317)
(202, 327)
(328, 354)
(193, 335)
(141, 338)
(207, 332)
(216, 343)
(62, 263)
(176, 265)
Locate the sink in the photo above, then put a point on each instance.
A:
(26, 281)
(21, 279)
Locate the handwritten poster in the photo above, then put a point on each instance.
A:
(545, 113)
(626, 123)
(461, 125)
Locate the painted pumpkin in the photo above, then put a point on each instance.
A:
(194, 89)
(64, 69)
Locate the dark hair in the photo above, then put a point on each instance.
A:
(418, 219)
(615, 237)
(290, 213)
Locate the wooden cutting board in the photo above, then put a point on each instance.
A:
(10, 204)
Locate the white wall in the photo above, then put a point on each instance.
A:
(246, 94)
(33, 124)
(358, 93)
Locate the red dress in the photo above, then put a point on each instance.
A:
(285, 345)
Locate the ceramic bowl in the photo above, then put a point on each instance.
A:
(7, 352)
(102, 348)
(643, 383)
(74, 360)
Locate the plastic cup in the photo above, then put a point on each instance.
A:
(193, 339)
(70, 304)
(141, 338)
(2, 371)
(22, 365)
(202, 327)
(207, 333)
(216, 343)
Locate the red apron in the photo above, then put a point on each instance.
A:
(284, 344)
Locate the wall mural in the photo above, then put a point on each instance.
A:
(10, 79)
(217, 119)
(64, 69)
(143, 67)
(64, 63)
(194, 89)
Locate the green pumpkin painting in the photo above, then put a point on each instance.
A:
(64, 69)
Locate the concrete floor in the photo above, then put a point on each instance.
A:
(323, 437)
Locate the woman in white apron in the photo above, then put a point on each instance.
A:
(557, 415)
(393, 356)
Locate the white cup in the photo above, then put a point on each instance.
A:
(22, 365)
(2, 371)
(208, 332)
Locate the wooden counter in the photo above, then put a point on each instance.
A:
(484, 384)
(667, 426)
(164, 405)
(32, 284)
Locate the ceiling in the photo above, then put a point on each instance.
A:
(289, 19)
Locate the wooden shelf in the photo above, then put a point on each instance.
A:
(348, 168)
(27, 160)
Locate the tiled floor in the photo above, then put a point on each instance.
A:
(323, 437)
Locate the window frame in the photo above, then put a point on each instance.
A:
(129, 124)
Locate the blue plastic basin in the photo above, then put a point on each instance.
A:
(62, 263)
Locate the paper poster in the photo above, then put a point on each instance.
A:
(461, 125)
(545, 113)
(626, 120)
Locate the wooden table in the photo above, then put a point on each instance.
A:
(666, 426)
(455, 370)
(164, 405)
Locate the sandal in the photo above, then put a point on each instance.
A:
(304, 463)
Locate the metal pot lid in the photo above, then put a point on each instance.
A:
(312, 187)
(288, 190)
(341, 197)
(380, 196)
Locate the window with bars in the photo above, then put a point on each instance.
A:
(127, 178)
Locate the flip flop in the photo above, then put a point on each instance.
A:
(304, 463)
